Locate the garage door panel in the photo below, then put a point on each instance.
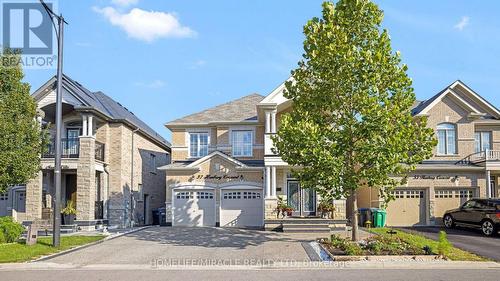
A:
(407, 209)
(449, 198)
(241, 208)
(194, 208)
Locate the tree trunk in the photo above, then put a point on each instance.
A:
(354, 217)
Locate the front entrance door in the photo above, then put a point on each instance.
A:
(302, 200)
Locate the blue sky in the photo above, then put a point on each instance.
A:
(203, 53)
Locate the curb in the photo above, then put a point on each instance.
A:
(44, 258)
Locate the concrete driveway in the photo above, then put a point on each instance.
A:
(467, 239)
(182, 243)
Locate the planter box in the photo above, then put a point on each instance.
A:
(382, 257)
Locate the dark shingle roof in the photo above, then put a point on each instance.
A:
(109, 107)
(242, 109)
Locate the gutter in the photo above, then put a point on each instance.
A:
(132, 176)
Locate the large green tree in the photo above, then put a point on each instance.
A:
(20, 133)
(351, 124)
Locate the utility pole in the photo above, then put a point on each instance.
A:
(56, 230)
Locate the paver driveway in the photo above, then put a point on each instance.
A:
(181, 243)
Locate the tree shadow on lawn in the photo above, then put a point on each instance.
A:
(211, 236)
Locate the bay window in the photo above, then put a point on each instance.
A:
(198, 144)
(447, 139)
(242, 143)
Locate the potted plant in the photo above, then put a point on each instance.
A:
(326, 208)
(280, 208)
(69, 213)
(288, 210)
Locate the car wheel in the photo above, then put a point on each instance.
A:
(488, 228)
(448, 221)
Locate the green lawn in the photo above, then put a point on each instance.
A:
(19, 252)
(421, 241)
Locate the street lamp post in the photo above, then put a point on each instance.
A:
(56, 230)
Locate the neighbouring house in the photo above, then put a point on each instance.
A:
(223, 172)
(465, 162)
(109, 163)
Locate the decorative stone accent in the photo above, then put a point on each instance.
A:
(270, 206)
(34, 198)
(86, 182)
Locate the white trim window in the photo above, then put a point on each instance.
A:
(242, 143)
(447, 139)
(482, 141)
(198, 144)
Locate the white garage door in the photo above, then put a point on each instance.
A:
(241, 208)
(449, 198)
(407, 209)
(194, 208)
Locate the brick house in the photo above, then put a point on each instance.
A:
(109, 161)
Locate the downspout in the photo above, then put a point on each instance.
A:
(132, 178)
(107, 192)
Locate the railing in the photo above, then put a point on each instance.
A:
(486, 155)
(99, 151)
(70, 148)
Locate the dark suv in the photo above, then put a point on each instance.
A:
(476, 213)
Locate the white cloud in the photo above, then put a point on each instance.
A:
(124, 3)
(197, 64)
(155, 84)
(146, 25)
(462, 23)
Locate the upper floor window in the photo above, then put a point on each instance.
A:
(447, 139)
(242, 143)
(198, 144)
(482, 141)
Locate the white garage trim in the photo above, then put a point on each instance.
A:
(191, 185)
(239, 184)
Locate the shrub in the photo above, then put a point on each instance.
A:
(10, 230)
(444, 245)
(353, 249)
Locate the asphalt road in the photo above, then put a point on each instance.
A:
(467, 239)
(258, 275)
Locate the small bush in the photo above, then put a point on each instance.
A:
(353, 249)
(444, 245)
(10, 231)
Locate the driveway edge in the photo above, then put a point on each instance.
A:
(110, 237)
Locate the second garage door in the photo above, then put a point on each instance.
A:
(449, 198)
(241, 208)
(408, 208)
(194, 208)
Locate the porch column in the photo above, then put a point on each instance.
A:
(84, 125)
(34, 197)
(90, 126)
(268, 122)
(488, 184)
(273, 122)
(86, 184)
(268, 181)
(273, 181)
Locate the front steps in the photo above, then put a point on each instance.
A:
(303, 225)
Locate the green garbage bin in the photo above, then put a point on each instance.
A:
(379, 217)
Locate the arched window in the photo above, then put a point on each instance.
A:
(447, 139)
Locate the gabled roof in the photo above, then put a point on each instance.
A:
(239, 110)
(425, 106)
(102, 104)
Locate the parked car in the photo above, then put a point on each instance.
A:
(476, 213)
